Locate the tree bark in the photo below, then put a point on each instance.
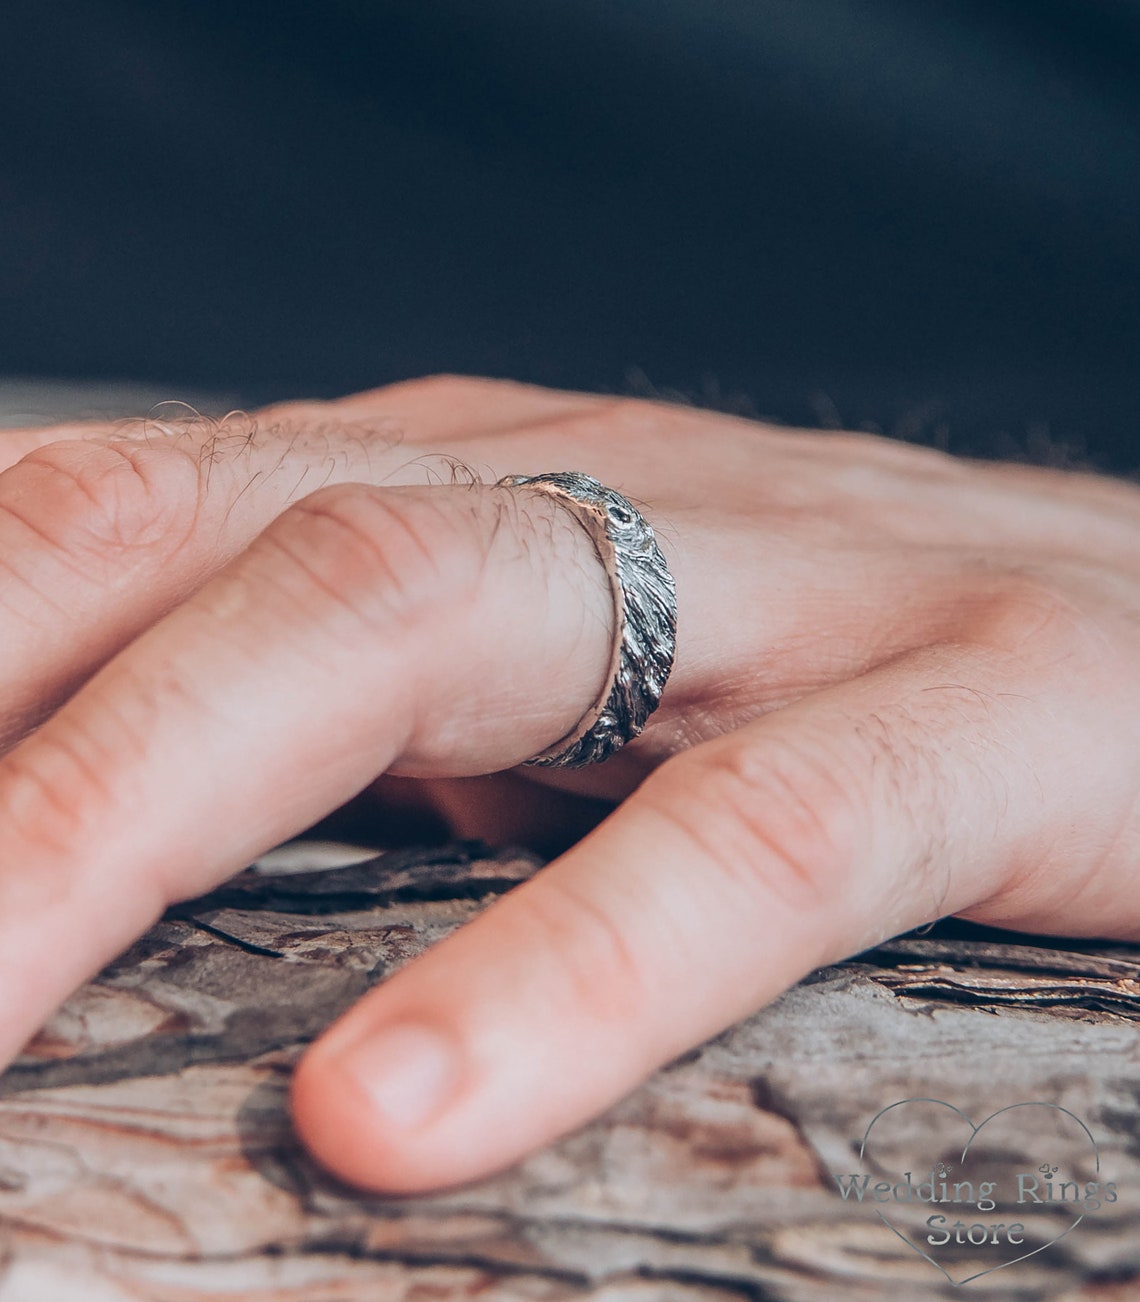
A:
(146, 1152)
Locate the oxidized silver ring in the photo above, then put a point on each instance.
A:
(645, 614)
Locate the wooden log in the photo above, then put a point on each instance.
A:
(146, 1152)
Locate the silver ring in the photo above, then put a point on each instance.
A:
(645, 613)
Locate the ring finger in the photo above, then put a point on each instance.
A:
(105, 527)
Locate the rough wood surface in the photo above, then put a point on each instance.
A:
(145, 1150)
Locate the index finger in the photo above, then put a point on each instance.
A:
(735, 869)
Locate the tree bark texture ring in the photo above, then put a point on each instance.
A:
(645, 612)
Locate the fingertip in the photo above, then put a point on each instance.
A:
(361, 1112)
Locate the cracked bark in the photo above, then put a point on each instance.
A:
(145, 1150)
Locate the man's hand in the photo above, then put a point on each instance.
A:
(905, 686)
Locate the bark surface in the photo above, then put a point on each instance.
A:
(146, 1152)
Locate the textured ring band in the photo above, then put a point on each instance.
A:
(645, 612)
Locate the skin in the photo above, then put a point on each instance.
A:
(905, 687)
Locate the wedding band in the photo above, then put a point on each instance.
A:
(645, 614)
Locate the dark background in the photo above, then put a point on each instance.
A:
(915, 216)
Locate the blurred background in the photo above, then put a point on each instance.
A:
(915, 218)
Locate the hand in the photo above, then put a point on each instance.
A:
(905, 686)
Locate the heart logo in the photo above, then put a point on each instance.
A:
(971, 1199)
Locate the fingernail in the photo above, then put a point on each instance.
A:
(407, 1071)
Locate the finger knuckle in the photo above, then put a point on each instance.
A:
(597, 424)
(598, 970)
(1031, 616)
(104, 501)
(51, 794)
(774, 819)
(389, 557)
(57, 800)
(447, 388)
